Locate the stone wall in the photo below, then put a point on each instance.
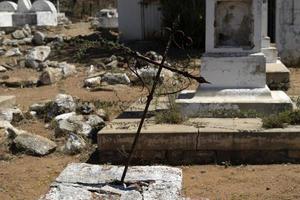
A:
(288, 31)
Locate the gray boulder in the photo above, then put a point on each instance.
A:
(67, 69)
(64, 103)
(30, 63)
(34, 144)
(71, 123)
(96, 122)
(50, 76)
(116, 78)
(40, 53)
(18, 34)
(74, 145)
(93, 82)
(38, 38)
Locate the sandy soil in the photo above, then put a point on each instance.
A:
(267, 182)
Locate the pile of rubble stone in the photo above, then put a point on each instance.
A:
(74, 122)
(145, 73)
(35, 56)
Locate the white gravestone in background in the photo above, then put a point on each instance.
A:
(233, 63)
(8, 6)
(24, 6)
(40, 13)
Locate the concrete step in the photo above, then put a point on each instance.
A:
(278, 76)
(200, 141)
(7, 101)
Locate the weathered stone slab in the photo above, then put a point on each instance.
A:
(34, 144)
(88, 181)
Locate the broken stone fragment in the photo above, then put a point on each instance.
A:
(2, 69)
(34, 144)
(64, 103)
(71, 123)
(85, 108)
(67, 69)
(74, 145)
(93, 82)
(103, 114)
(13, 52)
(30, 63)
(116, 78)
(96, 122)
(39, 53)
(18, 34)
(112, 65)
(50, 76)
(38, 38)
(13, 115)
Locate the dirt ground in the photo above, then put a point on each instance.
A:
(267, 182)
(27, 178)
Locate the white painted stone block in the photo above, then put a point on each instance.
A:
(8, 6)
(234, 71)
(6, 19)
(46, 18)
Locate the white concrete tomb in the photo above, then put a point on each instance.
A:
(40, 13)
(233, 63)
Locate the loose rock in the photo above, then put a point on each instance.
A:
(96, 122)
(85, 108)
(103, 114)
(116, 78)
(38, 38)
(13, 52)
(71, 123)
(13, 115)
(67, 69)
(50, 76)
(39, 53)
(94, 82)
(18, 34)
(34, 144)
(74, 145)
(64, 103)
